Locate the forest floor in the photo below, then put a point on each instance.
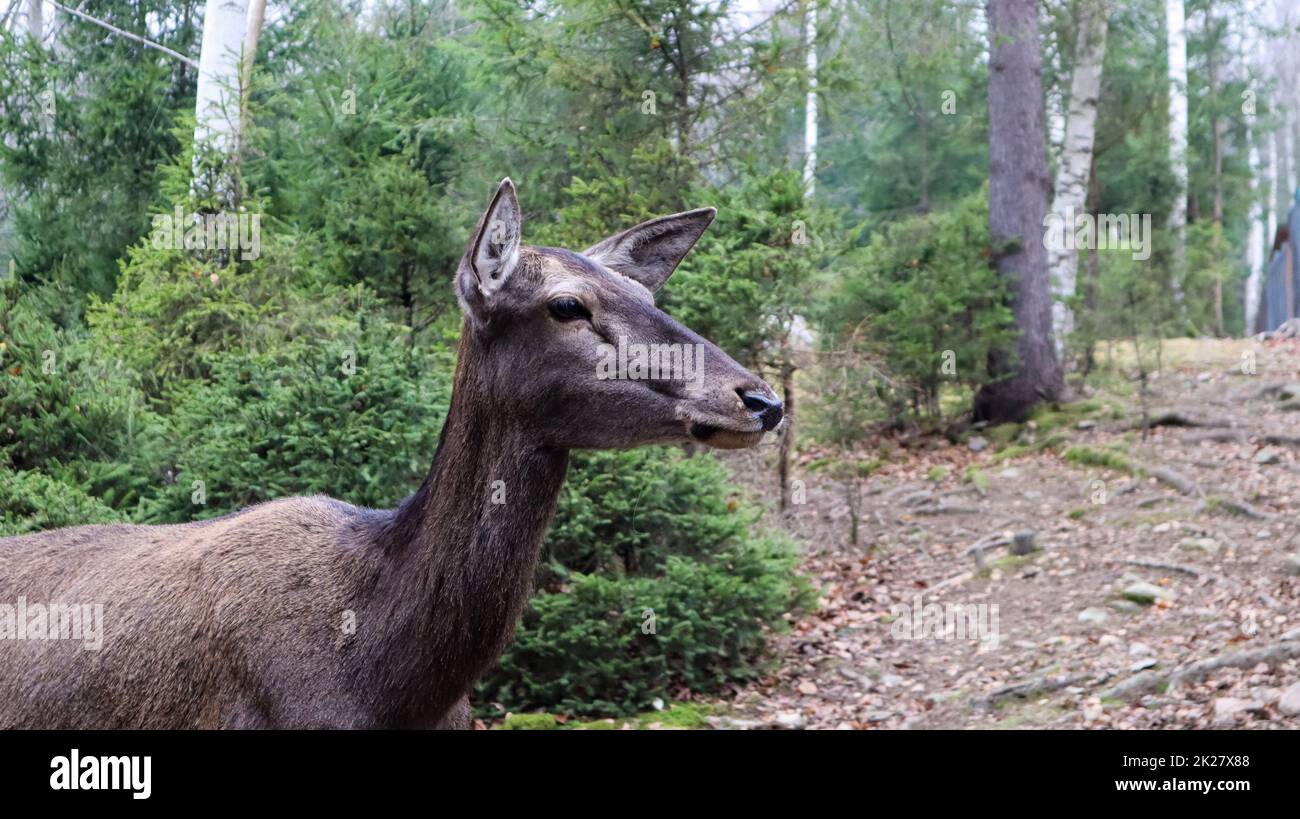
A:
(1162, 590)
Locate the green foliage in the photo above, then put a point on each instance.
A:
(626, 512)
(34, 501)
(67, 408)
(646, 539)
(530, 722)
(358, 138)
(922, 297)
(86, 134)
(586, 651)
(356, 419)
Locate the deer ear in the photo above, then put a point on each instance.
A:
(493, 250)
(650, 252)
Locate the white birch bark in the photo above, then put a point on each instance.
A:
(216, 108)
(1071, 187)
(810, 103)
(1255, 242)
(35, 19)
(1176, 40)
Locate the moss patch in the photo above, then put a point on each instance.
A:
(1103, 458)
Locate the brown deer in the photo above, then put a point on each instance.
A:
(309, 612)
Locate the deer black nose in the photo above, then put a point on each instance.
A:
(768, 410)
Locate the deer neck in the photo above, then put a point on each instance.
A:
(460, 554)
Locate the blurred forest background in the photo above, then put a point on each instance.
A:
(845, 143)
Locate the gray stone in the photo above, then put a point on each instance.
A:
(1085, 424)
(1023, 543)
(1208, 545)
(978, 443)
(791, 721)
(1124, 606)
(1291, 565)
(1226, 709)
(1140, 650)
(1143, 665)
(1267, 455)
(1094, 615)
(1289, 703)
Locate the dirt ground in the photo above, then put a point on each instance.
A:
(1161, 591)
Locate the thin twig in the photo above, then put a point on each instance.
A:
(150, 43)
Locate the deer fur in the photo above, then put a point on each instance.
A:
(243, 621)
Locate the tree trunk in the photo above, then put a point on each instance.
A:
(786, 452)
(810, 101)
(1255, 242)
(1273, 181)
(1071, 190)
(1090, 280)
(1216, 129)
(35, 19)
(1018, 186)
(1176, 42)
(216, 108)
(256, 16)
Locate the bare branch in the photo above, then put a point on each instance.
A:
(151, 44)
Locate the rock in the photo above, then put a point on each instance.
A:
(1289, 703)
(1124, 606)
(734, 724)
(1085, 424)
(978, 443)
(891, 680)
(790, 720)
(1094, 615)
(1011, 474)
(1208, 545)
(1023, 543)
(1161, 528)
(1267, 455)
(808, 687)
(1289, 392)
(1227, 709)
(1291, 565)
(1145, 593)
(1143, 665)
(1140, 650)
(1293, 634)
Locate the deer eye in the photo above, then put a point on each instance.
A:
(568, 309)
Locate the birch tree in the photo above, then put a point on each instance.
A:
(217, 103)
(810, 100)
(1255, 241)
(1071, 187)
(1176, 45)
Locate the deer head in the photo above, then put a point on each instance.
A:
(571, 347)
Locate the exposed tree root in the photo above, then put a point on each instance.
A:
(1174, 478)
(1178, 418)
(1148, 681)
